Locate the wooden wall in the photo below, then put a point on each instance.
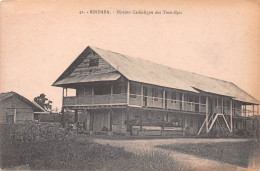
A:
(24, 112)
(84, 69)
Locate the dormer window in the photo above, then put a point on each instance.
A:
(93, 62)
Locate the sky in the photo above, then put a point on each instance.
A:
(40, 39)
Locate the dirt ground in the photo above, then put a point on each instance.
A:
(187, 161)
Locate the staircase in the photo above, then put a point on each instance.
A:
(214, 118)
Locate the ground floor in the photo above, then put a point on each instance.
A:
(143, 121)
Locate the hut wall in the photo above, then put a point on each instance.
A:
(24, 112)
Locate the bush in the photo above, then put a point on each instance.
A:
(31, 132)
(73, 155)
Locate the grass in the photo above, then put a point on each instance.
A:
(237, 153)
(70, 154)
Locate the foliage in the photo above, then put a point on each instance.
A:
(43, 101)
(70, 154)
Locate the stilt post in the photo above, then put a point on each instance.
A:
(128, 92)
(163, 100)
(222, 105)
(62, 110)
(182, 104)
(111, 118)
(142, 95)
(207, 114)
(231, 115)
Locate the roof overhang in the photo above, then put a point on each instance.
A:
(88, 78)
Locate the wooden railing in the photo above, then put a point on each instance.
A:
(91, 100)
(148, 101)
(158, 102)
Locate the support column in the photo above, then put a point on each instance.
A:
(62, 109)
(231, 116)
(76, 120)
(222, 105)
(253, 110)
(141, 120)
(92, 95)
(245, 110)
(111, 119)
(183, 124)
(199, 103)
(111, 93)
(128, 92)
(163, 124)
(76, 116)
(182, 101)
(15, 112)
(91, 122)
(164, 100)
(207, 114)
(128, 129)
(142, 95)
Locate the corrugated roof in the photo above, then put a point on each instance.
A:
(144, 71)
(89, 78)
(140, 70)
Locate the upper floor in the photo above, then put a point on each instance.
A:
(128, 93)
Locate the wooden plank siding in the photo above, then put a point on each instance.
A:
(20, 110)
(84, 69)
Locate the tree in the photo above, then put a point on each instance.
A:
(43, 102)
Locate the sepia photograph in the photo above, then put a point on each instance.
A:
(136, 85)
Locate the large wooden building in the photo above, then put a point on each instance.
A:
(125, 95)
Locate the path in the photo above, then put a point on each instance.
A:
(187, 161)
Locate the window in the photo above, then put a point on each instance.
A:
(93, 62)
(10, 118)
(10, 115)
(190, 97)
(226, 103)
(133, 90)
(173, 95)
(219, 101)
(203, 100)
(197, 99)
(102, 90)
(155, 92)
(216, 101)
(116, 88)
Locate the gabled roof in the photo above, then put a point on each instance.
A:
(139, 70)
(39, 106)
(4, 96)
